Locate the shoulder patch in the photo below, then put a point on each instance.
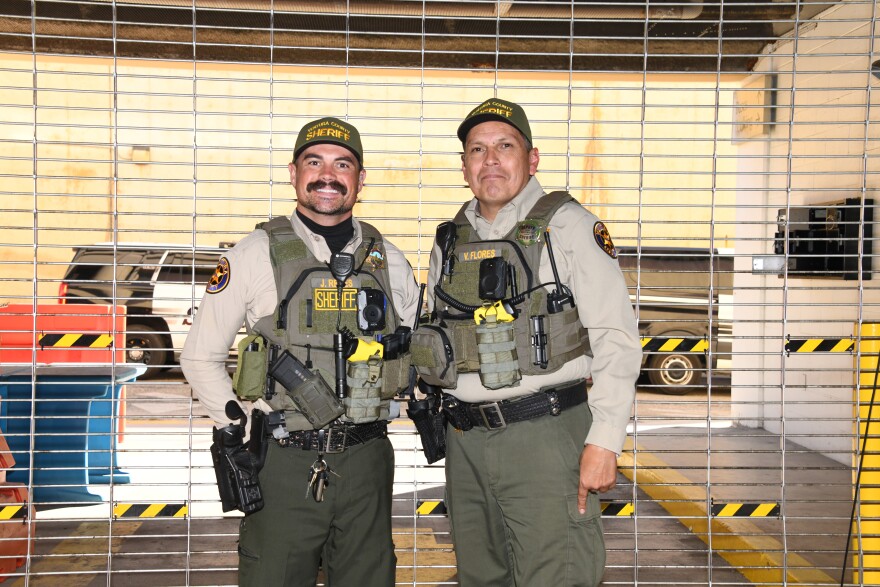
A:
(603, 239)
(221, 277)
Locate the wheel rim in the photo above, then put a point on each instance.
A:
(676, 370)
(138, 351)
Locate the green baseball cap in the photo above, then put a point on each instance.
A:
(329, 130)
(496, 109)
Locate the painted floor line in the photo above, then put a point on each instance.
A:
(760, 558)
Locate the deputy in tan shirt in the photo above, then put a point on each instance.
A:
(346, 528)
(522, 482)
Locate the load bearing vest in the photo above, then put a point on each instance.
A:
(310, 310)
(521, 248)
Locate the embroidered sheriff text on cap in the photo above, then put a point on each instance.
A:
(329, 130)
(496, 109)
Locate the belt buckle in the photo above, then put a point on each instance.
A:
(492, 416)
(338, 434)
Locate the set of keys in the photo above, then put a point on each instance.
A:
(319, 478)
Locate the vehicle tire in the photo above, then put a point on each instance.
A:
(145, 345)
(674, 373)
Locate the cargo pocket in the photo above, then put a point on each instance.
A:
(585, 551)
(248, 561)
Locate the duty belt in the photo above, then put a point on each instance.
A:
(336, 439)
(495, 415)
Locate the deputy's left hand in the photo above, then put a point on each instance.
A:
(598, 473)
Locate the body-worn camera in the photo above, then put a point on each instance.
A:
(493, 278)
(371, 309)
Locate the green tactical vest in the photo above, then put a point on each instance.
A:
(306, 319)
(567, 339)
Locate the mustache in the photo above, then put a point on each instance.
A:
(320, 184)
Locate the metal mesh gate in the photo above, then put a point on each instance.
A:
(730, 146)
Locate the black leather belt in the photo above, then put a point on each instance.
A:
(552, 402)
(336, 439)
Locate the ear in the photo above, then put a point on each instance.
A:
(292, 169)
(361, 177)
(534, 158)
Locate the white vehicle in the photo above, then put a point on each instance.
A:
(160, 286)
(671, 288)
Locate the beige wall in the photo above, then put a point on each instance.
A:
(183, 152)
(824, 148)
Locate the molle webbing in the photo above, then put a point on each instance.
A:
(567, 339)
(299, 327)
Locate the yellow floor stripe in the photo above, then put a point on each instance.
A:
(103, 341)
(760, 558)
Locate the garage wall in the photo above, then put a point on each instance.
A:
(822, 147)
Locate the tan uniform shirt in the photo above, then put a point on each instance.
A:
(600, 292)
(250, 295)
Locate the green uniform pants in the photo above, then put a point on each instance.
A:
(512, 499)
(284, 543)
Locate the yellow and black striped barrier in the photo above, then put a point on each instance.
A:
(150, 510)
(659, 344)
(819, 345)
(609, 508)
(745, 510)
(13, 512)
(617, 508)
(75, 340)
(431, 507)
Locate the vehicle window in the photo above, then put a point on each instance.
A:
(97, 265)
(683, 271)
(146, 267)
(184, 268)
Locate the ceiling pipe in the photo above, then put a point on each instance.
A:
(684, 10)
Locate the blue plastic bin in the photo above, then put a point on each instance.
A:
(75, 409)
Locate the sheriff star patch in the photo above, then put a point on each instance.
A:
(603, 239)
(220, 279)
(529, 232)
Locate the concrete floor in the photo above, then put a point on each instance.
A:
(671, 540)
